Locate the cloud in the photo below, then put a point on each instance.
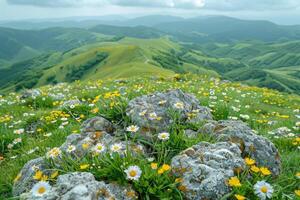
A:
(139, 3)
(231, 5)
(219, 5)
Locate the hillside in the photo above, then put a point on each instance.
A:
(99, 128)
(124, 58)
(238, 50)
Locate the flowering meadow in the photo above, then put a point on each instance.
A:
(36, 126)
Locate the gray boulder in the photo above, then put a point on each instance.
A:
(205, 168)
(83, 186)
(257, 147)
(33, 93)
(154, 112)
(26, 180)
(97, 124)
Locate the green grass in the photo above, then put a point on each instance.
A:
(262, 106)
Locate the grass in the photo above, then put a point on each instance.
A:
(227, 100)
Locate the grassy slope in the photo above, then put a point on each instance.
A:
(263, 106)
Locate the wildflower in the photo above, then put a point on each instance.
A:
(234, 182)
(265, 171)
(84, 166)
(160, 171)
(297, 192)
(254, 169)
(19, 131)
(17, 177)
(85, 145)
(239, 197)
(143, 113)
(249, 161)
(263, 190)
(117, 147)
(154, 165)
(40, 189)
(163, 136)
(38, 175)
(152, 116)
(132, 128)
(53, 153)
(71, 148)
(298, 175)
(133, 173)
(99, 148)
(166, 167)
(179, 105)
(54, 175)
(162, 102)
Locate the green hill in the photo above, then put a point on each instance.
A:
(124, 58)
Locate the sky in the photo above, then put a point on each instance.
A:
(279, 11)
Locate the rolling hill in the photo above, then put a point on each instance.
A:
(258, 53)
(124, 58)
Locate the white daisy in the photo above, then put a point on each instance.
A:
(117, 147)
(53, 153)
(99, 148)
(19, 131)
(40, 189)
(132, 128)
(71, 148)
(133, 173)
(263, 190)
(179, 105)
(163, 136)
(152, 116)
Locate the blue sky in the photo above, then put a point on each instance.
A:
(280, 11)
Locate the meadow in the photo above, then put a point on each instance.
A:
(31, 127)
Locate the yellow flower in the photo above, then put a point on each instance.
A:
(84, 166)
(298, 175)
(95, 110)
(18, 177)
(38, 175)
(85, 145)
(154, 165)
(249, 161)
(44, 178)
(265, 171)
(178, 180)
(54, 175)
(160, 171)
(297, 192)
(239, 197)
(166, 167)
(234, 182)
(254, 169)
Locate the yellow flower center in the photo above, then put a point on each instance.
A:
(132, 173)
(264, 189)
(41, 190)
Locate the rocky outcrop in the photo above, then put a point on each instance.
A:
(83, 186)
(257, 147)
(205, 168)
(94, 132)
(156, 112)
(31, 94)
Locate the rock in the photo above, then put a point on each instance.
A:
(94, 132)
(205, 168)
(257, 147)
(26, 180)
(83, 186)
(190, 133)
(33, 93)
(97, 124)
(71, 103)
(153, 112)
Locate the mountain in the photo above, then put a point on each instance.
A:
(136, 31)
(17, 45)
(226, 29)
(210, 45)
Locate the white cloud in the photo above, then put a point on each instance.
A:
(141, 3)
